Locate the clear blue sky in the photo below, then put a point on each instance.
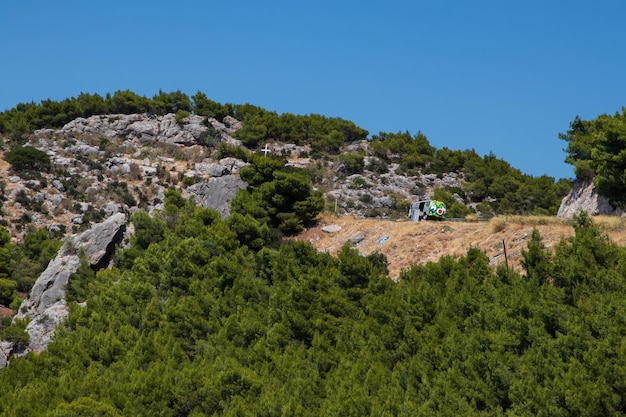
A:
(494, 76)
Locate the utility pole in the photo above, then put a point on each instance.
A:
(506, 258)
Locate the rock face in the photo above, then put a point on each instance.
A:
(151, 128)
(5, 351)
(46, 305)
(584, 197)
(216, 193)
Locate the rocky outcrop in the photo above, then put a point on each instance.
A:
(5, 351)
(46, 305)
(584, 197)
(216, 193)
(153, 128)
(358, 193)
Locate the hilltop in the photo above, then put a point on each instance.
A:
(120, 152)
(105, 164)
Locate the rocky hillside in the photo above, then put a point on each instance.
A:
(104, 165)
(104, 168)
(110, 164)
(118, 163)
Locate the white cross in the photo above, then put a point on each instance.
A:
(265, 150)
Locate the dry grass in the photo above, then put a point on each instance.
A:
(411, 243)
(473, 217)
(610, 223)
(500, 223)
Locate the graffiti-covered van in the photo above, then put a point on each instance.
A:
(427, 209)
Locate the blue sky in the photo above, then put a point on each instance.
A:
(494, 76)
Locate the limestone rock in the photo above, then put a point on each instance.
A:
(233, 164)
(5, 352)
(232, 124)
(99, 242)
(216, 192)
(46, 306)
(357, 237)
(41, 327)
(50, 286)
(331, 228)
(148, 128)
(584, 197)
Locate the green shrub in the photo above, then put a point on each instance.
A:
(352, 162)
(225, 150)
(27, 159)
(7, 291)
(16, 333)
(181, 115)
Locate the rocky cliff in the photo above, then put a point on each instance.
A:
(584, 197)
(46, 305)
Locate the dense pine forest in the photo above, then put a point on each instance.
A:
(208, 316)
(193, 321)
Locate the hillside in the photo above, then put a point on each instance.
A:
(119, 163)
(410, 243)
(193, 322)
(213, 305)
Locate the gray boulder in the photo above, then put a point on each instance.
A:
(216, 192)
(357, 237)
(331, 228)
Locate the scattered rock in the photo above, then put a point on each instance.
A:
(357, 237)
(58, 185)
(331, 228)
(5, 352)
(381, 240)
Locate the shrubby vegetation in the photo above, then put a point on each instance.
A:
(277, 197)
(597, 150)
(20, 266)
(205, 316)
(28, 159)
(198, 319)
(490, 182)
(28, 117)
(324, 133)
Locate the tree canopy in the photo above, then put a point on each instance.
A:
(194, 320)
(597, 150)
(278, 197)
(28, 159)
